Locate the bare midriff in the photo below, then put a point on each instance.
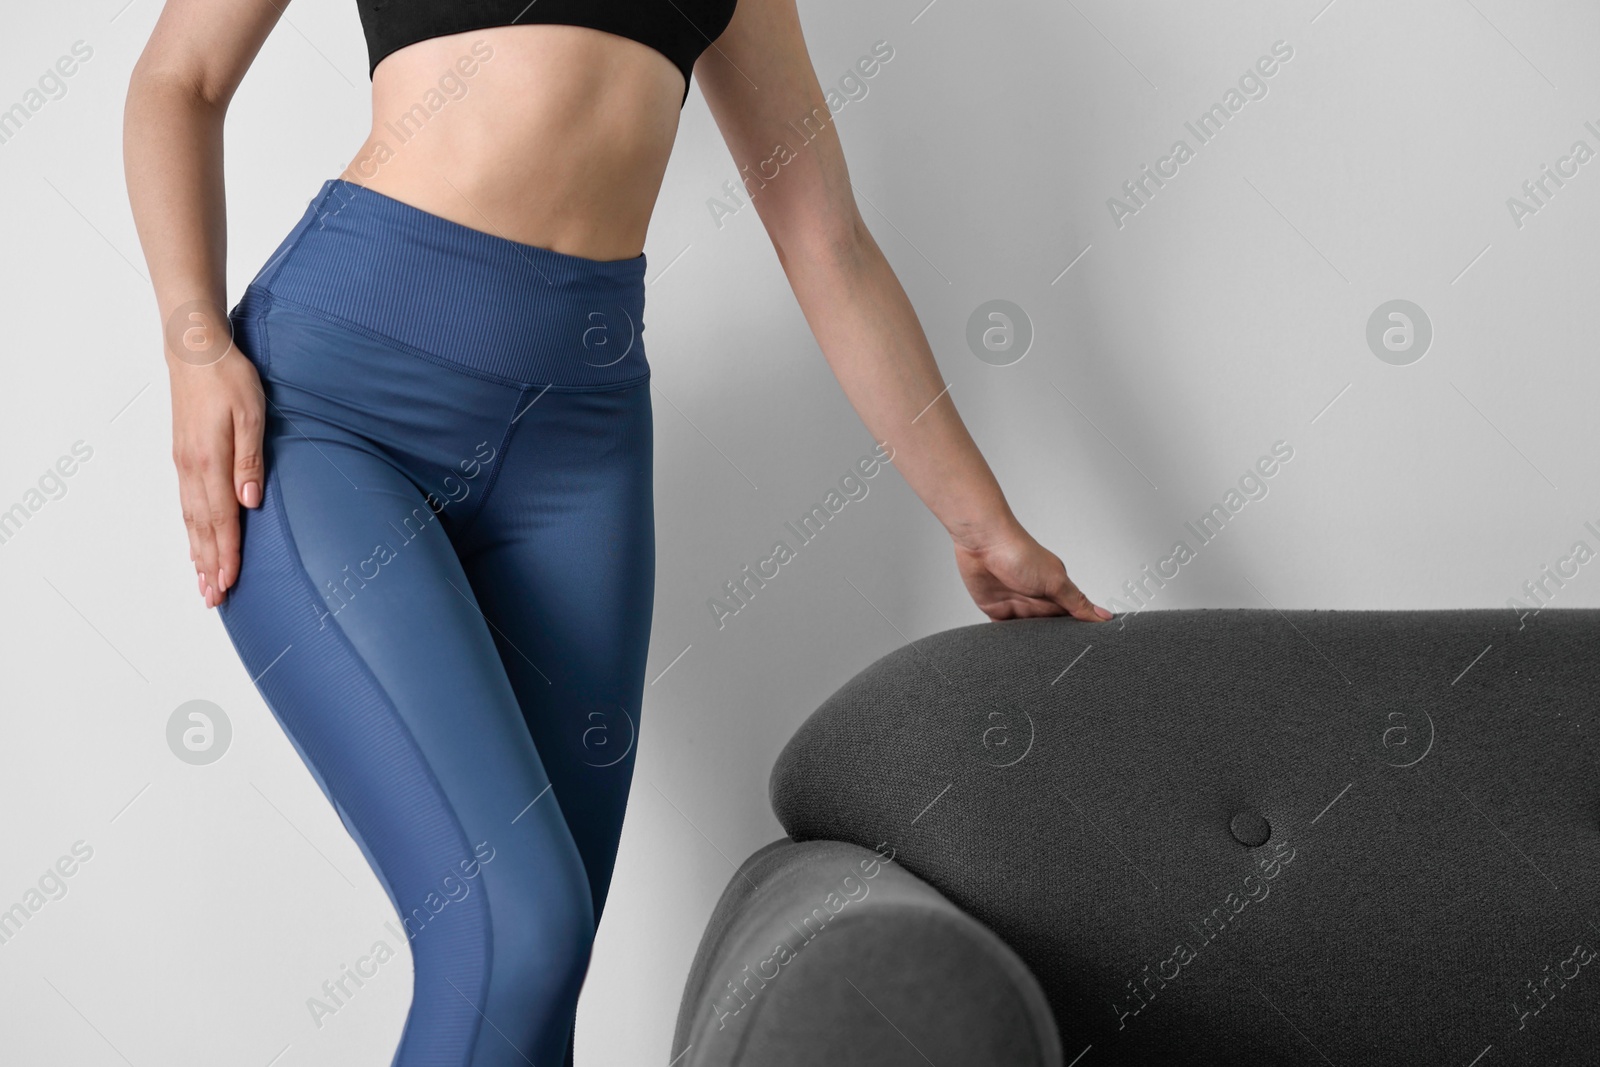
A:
(555, 136)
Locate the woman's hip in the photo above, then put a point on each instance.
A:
(504, 312)
(549, 452)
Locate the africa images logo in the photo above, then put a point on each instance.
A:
(608, 336)
(1399, 332)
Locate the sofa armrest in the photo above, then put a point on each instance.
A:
(828, 953)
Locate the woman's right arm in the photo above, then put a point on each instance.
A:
(172, 156)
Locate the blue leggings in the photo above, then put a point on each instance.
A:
(445, 596)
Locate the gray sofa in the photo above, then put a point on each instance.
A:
(1184, 837)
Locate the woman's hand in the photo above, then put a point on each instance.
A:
(217, 417)
(1015, 577)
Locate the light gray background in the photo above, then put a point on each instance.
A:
(1230, 313)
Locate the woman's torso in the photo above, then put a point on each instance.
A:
(551, 135)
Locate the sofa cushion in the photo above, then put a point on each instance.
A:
(1297, 837)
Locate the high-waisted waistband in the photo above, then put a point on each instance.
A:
(498, 307)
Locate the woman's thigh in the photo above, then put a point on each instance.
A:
(563, 561)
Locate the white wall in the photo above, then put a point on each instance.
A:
(1224, 316)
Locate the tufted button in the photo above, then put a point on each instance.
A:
(1249, 829)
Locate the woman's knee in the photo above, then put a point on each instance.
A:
(543, 931)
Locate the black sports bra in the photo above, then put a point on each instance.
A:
(678, 29)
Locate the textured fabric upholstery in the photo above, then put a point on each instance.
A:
(1249, 836)
(828, 953)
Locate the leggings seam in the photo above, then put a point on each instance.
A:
(262, 332)
(449, 364)
(494, 472)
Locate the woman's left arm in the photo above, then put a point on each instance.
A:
(760, 85)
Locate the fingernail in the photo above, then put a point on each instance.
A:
(221, 585)
(1102, 612)
(252, 494)
(200, 582)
